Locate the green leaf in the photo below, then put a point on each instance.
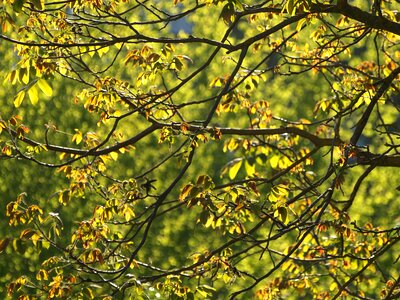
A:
(283, 214)
(45, 87)
(64, 197)
(19, 246)
(3, 244)
(37, 4)
(228, 13)
(290, 7)
(18, 4)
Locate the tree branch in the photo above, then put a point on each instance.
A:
(364, 119)
(352, 12)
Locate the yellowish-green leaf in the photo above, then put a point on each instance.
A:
(283, 214)
(42, 275)
(33, 95)
(234, 167)
(250, 168)
(102, 51)
(77, 137)
(25, 75)
(19, 98)
(300, 24)
(114, 155)
(45, 87)
(274, 161)
(38, 4)
(46, 244)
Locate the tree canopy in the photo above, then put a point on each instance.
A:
(208, 149)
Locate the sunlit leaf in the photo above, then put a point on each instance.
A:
(19, 98)
(234, 168)
(33, 95)
(45, 87)
(114, 155)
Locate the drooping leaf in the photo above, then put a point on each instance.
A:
(19, 98)
(234, 168)
(33, 95)
(4, 243)
(45, 87)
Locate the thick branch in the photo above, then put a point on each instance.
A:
(363, 158)
(367, 158)
(364, 119)
(268, 32)
(372, 21)
(352, 12)
(317, 141)
(91, 152)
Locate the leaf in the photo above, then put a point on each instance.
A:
(205, 290)
(45, 87)
(64, 197)
(33, 95)
(300, 24)
(77, 137)
(274, 161)
(228, 13)
(37, 4)
(46, 244)
(250, 167)
(27, 234)
(290, 7)
(3, 244)
(185, 192)
(19, 98)
(283, 215)
(18, 4)
(114, 155)
(25, 75)
(234, 167)
(102, 50)
(19, 246)
(42, 275)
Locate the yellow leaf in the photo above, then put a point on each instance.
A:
(102, 50)
(77, 137)
(114, 155)
(45, 244)
(25, 75)
(42, 275)
(19, 98)
(45, 87)
(33, 95)
(234, 167)
(274, 161)
(185, 192)
(250, 168)
(300, 24)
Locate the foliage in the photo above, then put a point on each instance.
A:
(200, 149)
